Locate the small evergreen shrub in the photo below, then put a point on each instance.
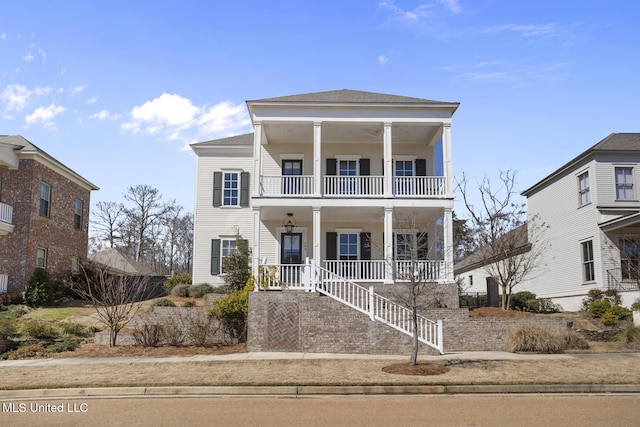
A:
(189, 304)
(614, 314)
(39, 290)
(636, 305)
(198, 291)
(519, 300)
(8, 328)
(73, 329)
(38, 329)
(164, 303)
(594, 295)
(62, 346)
(599, 307)
(232, 312)
(180, 291)
(175, 280)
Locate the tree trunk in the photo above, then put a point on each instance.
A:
(113, 336)
(414, 350)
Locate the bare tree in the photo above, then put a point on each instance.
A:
(114, 296)
(509, 247)
(108, 219)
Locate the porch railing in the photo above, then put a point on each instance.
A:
(353, 185)
(623, 280)
(6, 213)
(374, 270)
(312, 277)
(293, 186)
(419, 186)
(4, 283)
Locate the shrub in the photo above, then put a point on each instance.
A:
(236, 265)
(574, 340)
(599, 307)
(613, 314)
(29, 351)
(636, 305)
(73, 329)
(39, 291)
(14, 311)
(201, 328)
(164, 303)
(174, 333)
(630, 334)
(232, 312)
(180, 291)
(11, 298)
(519, 300)
(62, 346)
(38, 329)
(594, 295)
(529, 338)
(189, 304)
(175, 280)
(198, 291)
(8, 328)
(148, 335)
(543, 305)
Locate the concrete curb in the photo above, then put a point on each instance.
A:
(193, 391)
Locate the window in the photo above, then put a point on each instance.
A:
(231, 189)
(624, 183)
(75, 264)
(588, 270)
(291, 171)
(41, 258)
(583, 189)
(403, 172)
(348, 170)
(348, 246)
(404, 246)
(77, 214)
(45, 198)
(629, 256)
(227, 247)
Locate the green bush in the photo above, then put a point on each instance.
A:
(180, 291)
(599, 307)
(594, 295)
(543, 305)
(232, 312)
(614, 314)
(236, 265)
(636, 305)
(73, 329)
(39, 290)
(175, 280)
(198, 291)
(8, 328)
(38, 329)
(164, 303)
(66, 345)
(519, 300)
(189, 304)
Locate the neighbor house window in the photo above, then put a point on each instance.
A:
(41, 258)
(227, 247)
(629, 256)
(624, 183)
(587, 261)
(45, 198)
(231, 189)
(583, 188)
(77, 214)
(348, 246)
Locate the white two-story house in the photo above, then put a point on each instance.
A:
(591, 206)
(326, 178)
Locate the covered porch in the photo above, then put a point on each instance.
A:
(621, 255)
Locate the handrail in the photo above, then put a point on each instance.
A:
(617, 282)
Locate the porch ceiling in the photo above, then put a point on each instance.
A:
(347, 214)
(351, 132)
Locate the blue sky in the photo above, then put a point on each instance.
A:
(117, 89)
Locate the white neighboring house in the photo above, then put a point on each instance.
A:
(324, 177)
(592, 208)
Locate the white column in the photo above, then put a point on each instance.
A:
(317, 159)
(446, 158)
(388, 245)
(257, 158)
(388, 161)
(447, 225)
(316, 235)
(255, 251)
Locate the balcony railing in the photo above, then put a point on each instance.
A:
(6, 213)
(374, 270)
(350, 186)
(4, 283)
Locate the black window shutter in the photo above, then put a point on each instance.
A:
(244, 189)
(332, 165)
(217, 189)
(365, 246)
(215, 257)
(332, 245)
(421, 167)
(365, 168)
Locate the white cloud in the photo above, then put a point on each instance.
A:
(383, 59)
(452, 5)
(27, 57)
(421, 11)
(531, 30)
(3, 36)
(104, 115)
(92, 100)
(17, 96)
(43, 54)
(76, 90)
(173, 117)
(45, 115)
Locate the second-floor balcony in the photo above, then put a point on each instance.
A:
(6, 218)
(350, 186)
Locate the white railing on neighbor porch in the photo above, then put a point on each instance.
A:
(4, 283)
(6, 213)
(374, 270)
(314, 278)
(348, 186)
(287, 185)
(419, 186)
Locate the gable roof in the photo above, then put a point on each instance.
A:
(614, 143)
(348, 96)
(244, 139)
(26, 149)
(115, 260)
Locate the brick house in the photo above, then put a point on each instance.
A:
(44, 213)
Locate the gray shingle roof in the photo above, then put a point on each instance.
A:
(245, 139)
(615, 143)
(349, 96)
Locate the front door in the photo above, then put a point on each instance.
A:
(291, 254)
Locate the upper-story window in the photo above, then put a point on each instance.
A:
(230, 188)
(77, 214)
(291, 171)
(583, 189)
(45, 198)
(624, 183)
